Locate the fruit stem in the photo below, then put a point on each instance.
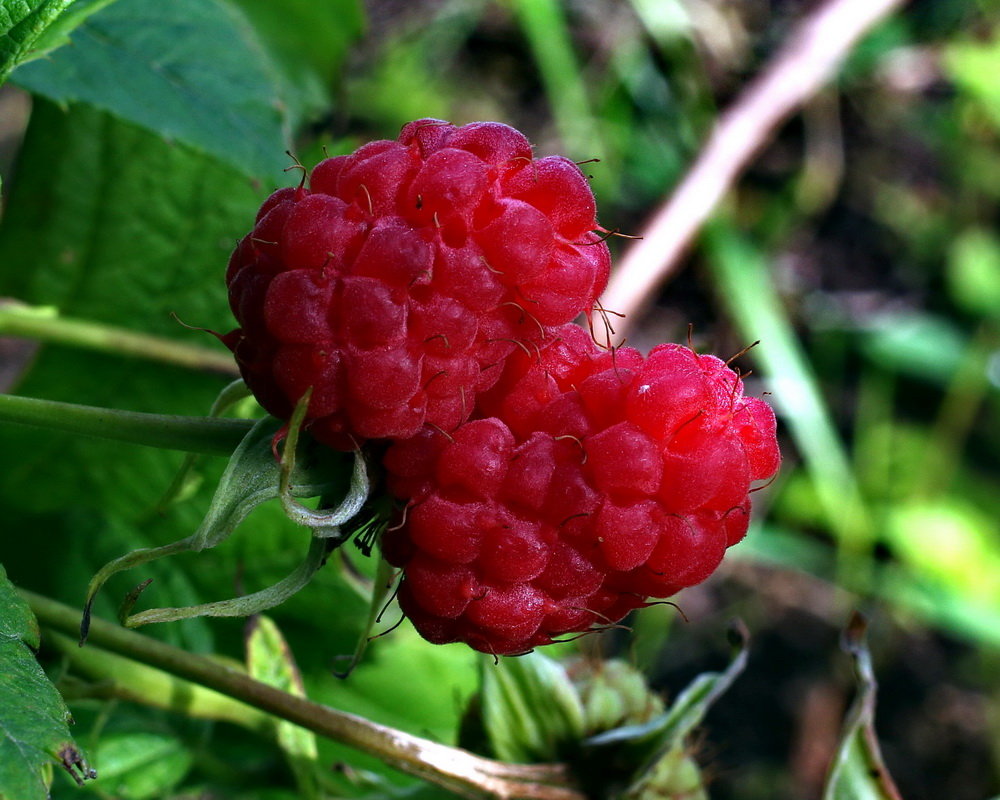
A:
(449, 767)
(207, 435)
(45, 325)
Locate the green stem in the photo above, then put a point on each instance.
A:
(46, 326)
(449, 767)
(744, 276)
(114, 676)
(217, 437)
(957, 415)
(545, 27)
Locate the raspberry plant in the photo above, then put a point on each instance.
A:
(405, 325)
(395, 290)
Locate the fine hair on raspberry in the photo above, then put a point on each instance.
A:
(397, 280)
(590, 481)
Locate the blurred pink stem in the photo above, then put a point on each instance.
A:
(809, 59)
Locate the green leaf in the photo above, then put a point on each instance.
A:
(952, 565)
(974, 271)
(531, 710)
(190, 70)
(973, 65)
(857, 772)
(743, 277)
(308, 41)
(125, 229)
(427, 698)
(136, 765)
(547, 31)
(57, 34)
(16, 619)
(950, 542)
(270, 660)
(22, 25)
(917, 343)
(34, 732)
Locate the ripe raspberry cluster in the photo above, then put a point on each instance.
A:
(422, 288)
(397, 283)
(592, 480)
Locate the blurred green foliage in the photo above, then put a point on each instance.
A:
(862, 246)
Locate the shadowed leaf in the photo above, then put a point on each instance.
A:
(858, 772)
(34, 732)
(270, 660)
(189, 70)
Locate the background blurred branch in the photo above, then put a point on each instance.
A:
(814, 50)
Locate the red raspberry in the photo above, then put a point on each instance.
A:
(594, 480)
(399, 281)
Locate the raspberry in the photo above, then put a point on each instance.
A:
(399, 281)
(590, 481)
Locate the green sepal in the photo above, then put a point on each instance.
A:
(531, 711)
(253, 477)
(675, 775)
(323, 523)
(642, 760)
(858, 771)
(244, 605)
(380, 588)
(613, 694)
(230, 395)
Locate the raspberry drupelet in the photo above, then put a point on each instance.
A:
(591, 481)
(399, 280)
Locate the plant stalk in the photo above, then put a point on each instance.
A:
(125, 679)
(46, 326)
(207, 435)
(449, 767)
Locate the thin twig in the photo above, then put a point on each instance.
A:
(450, 767)
(809, 59)
(46, 326)
(208, 435)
